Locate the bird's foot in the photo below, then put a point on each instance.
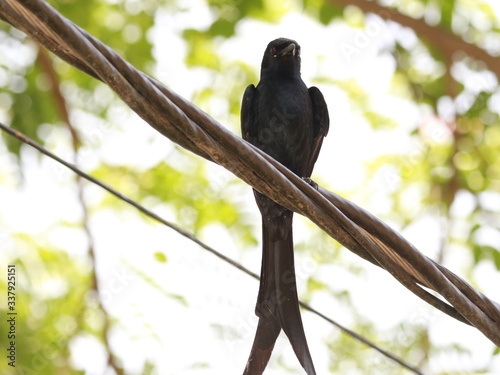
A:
(311, 182)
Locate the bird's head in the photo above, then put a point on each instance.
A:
(282, 56)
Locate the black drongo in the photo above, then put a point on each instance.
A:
(288, 121)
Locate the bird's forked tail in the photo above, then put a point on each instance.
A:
(277, 304)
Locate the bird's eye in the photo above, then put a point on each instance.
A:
(274, 50)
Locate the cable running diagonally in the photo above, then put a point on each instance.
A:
(23, 138)
(194, 130)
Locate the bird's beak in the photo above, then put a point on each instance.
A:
(290, 49)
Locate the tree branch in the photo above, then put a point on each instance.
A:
(435, 35)
(191, 237)
(194, 130)
(47, 66)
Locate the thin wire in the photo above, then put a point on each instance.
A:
(24, 138)
(186, 125)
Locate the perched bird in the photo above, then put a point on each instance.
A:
(288, 121)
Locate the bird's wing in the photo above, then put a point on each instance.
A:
(247, 112)
(321, 124)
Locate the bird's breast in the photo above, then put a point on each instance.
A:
(284, 123)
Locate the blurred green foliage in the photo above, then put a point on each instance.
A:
(465, 159)
(52, 306)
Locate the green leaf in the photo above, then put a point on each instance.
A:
(223, 28)
(496, 257)
(160, 257)
(327, 12)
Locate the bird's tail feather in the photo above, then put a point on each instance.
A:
(277, 303)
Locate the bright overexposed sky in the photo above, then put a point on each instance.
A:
(174, 336)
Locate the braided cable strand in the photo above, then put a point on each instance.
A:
(185, 124)
(22, 137)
